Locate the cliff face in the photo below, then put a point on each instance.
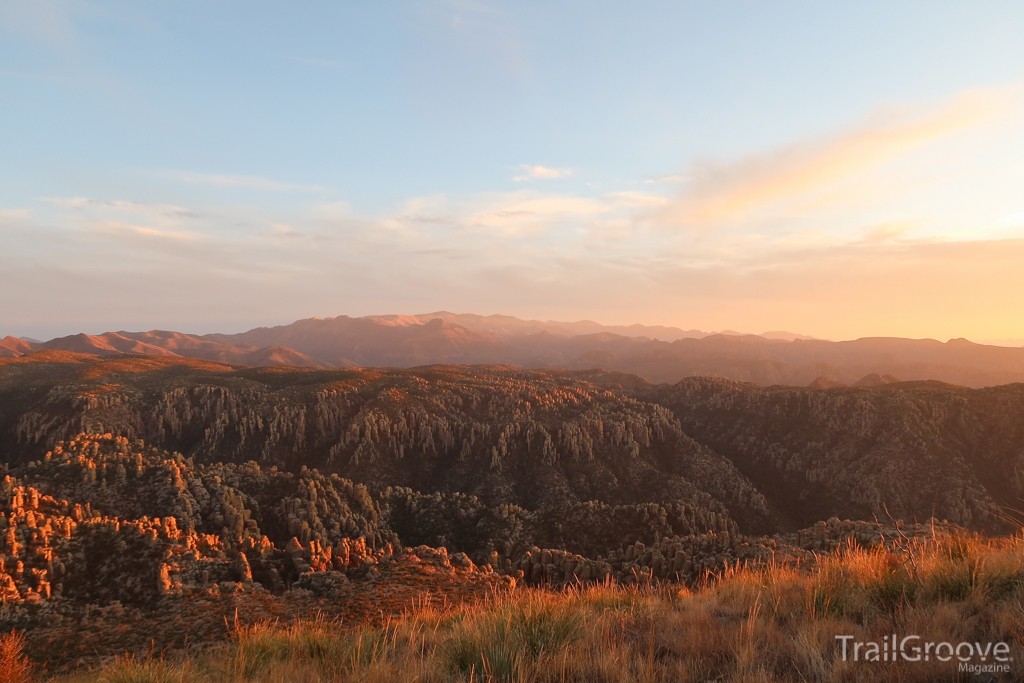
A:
(532, 439)
(101, 519)
(914, 448)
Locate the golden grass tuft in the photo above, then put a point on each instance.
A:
(769, 623)
(14, 666)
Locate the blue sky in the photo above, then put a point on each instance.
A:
(839, 170)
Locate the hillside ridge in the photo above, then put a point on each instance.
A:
(659, 354)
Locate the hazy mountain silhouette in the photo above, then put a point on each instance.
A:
(875, 380)
(159, 343)
(825, 383)
(783, 335)
(409, 341)
(504, 326)
(381, 342)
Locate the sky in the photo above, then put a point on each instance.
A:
(840, 170)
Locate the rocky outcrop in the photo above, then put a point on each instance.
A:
(101, 520)
(693, 558)
(529, 439)
(108, 545)
(770, 458)
(914, 450)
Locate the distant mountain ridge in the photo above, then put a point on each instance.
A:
(159, 343)
(658, 354)
(506, 325)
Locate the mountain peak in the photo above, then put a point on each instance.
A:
(875, 380)
(822, 382)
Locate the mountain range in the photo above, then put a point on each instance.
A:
(658, 354)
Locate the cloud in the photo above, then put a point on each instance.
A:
(1013, 219)
(528, 213)
(668, 179)
(889, 232)
(149, 232)
(138, 208)
(541, 173)
(521, 220)
(332, 211)
(521, 252)
(781, 180)
(638, 199)
(799, 238)
(242, 181)
(13, 215)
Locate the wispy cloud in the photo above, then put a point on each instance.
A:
(541, 173)
(523, 219)
(888, 232)
(13, 214)
(149, 232)
(667, 179)
(770, 257)
(120, 205)
(582, 256)
(782, 179)
(1012, 219)
(242, 181)
(520, 213)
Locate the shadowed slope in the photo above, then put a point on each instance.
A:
(916, 448)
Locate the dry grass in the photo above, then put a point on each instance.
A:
(771, 623)
(14, 666)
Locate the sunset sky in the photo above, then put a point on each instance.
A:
(842, 171)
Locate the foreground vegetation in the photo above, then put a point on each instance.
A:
(771, 623)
